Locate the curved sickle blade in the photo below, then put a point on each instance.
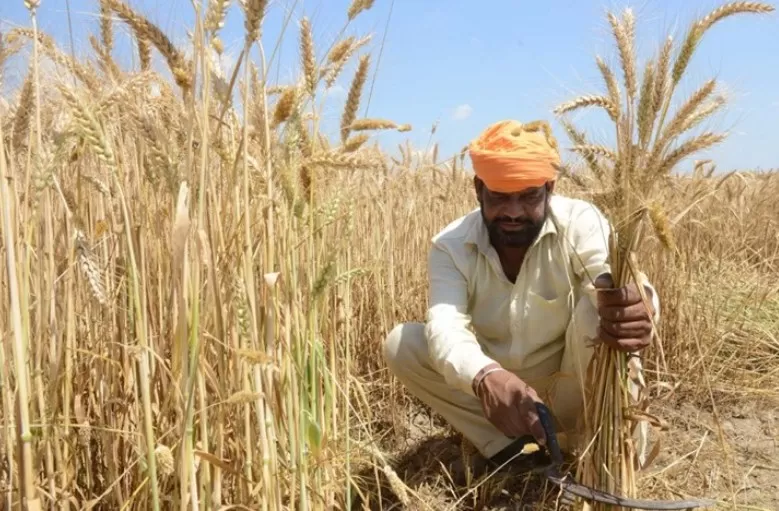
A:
(571, 487)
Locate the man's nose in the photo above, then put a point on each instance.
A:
(515, 208)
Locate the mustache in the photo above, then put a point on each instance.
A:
(512, 221)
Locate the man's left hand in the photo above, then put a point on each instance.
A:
(625, 322)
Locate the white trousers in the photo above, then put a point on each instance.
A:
(406, 354)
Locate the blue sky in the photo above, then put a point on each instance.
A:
(464, 66)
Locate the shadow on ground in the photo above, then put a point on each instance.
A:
(432, 470)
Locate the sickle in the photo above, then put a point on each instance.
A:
(570, 486)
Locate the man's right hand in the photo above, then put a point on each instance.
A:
(510, 405)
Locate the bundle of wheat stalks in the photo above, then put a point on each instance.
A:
(626, 182)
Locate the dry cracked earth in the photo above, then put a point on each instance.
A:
(733, 460)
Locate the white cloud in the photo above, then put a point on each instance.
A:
(336, 91)
(462, 112)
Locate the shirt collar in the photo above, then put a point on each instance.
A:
(479, 237)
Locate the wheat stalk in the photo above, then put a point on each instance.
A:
(231, 327)
(628, 178)
(20, 341)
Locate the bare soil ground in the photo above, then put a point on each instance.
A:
(732, 461)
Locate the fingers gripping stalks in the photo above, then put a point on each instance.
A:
(625, 321)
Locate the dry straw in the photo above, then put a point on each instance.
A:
(242, 327)
(626, 183)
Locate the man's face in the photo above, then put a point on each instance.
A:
(513, 219)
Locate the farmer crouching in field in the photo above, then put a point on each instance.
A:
(512, 313)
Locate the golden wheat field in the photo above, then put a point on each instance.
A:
(195, 281)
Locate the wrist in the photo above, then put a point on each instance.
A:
(482, 374)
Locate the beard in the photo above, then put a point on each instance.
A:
(522, 236)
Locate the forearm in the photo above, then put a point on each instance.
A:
(455, 353)
(454, 350)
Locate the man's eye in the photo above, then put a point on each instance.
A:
(533, 196)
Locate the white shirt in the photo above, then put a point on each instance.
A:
(476, 316)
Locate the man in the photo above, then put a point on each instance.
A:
(520, 290)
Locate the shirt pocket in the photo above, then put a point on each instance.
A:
(545, 320)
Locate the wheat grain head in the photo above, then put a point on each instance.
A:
(611, 83)
(339, 55)
(215, 16)
(354, 143)
(285, 105)
(646, 112)
(146, 30)
(353, 98)
(624, 33)
(358, 6)
(308, 60)
(372, 124)
(254, 11)
(699, 28)
(587, 101)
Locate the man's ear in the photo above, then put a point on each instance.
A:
(550, 187)
(478, 186)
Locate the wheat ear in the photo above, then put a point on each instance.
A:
(254, 11)
(611, 83)
(357, 7)
(624, 35)
(145, 29)
(586, 101)
(353, 98)
(307, 55)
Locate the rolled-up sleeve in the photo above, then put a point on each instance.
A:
(453, 348)
(590, 241)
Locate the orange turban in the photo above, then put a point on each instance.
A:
(510, 156)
